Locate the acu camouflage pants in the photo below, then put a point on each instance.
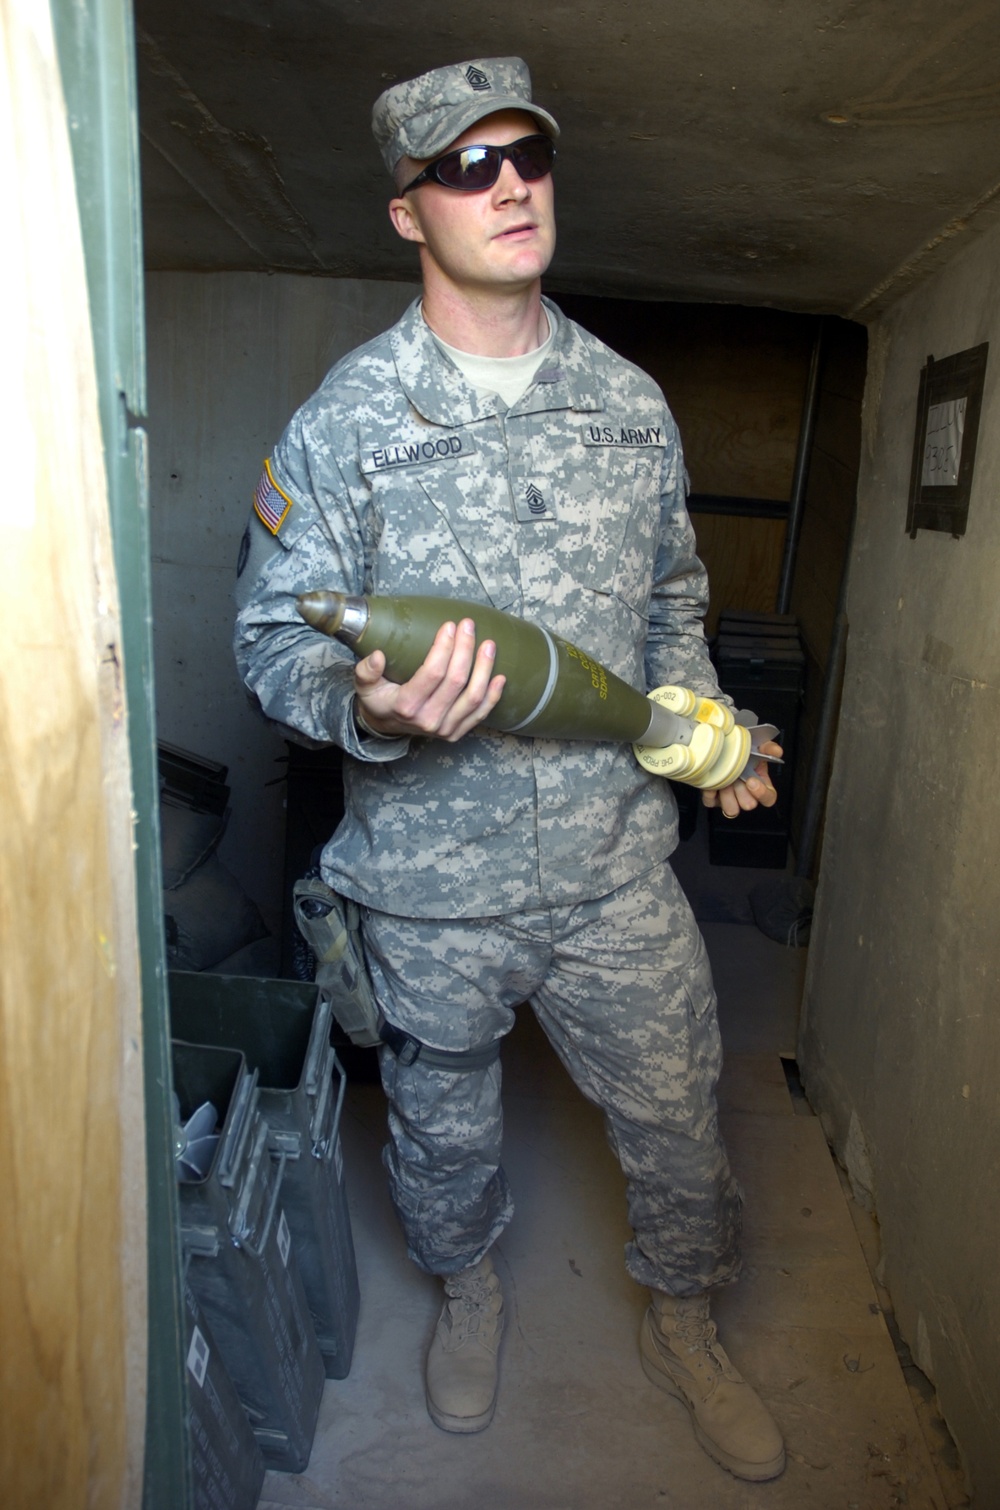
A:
(623, 990)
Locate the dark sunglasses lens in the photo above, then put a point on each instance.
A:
(473, 168)
(533, 157)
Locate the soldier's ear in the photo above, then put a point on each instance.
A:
(406, 220)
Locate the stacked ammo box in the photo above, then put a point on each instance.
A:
(760, 664)
(271, 1284)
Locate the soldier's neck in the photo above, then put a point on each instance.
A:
(487, 323)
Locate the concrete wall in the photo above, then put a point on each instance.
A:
(900, 1046)
(231, 356)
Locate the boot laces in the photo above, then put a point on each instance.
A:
(470, 1299)
(694, 1326)
(697, 1334)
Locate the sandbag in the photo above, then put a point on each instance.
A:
(208, 917)
(188, 837)
(783, 909)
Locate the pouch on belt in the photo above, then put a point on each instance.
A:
(331, 926)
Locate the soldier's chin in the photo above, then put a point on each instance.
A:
(526, 267)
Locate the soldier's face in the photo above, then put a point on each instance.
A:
(498, 237)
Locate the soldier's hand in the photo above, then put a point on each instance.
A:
(449, 694)
(744, 796)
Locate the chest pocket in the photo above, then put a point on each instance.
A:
(444, 529)
(626, 525)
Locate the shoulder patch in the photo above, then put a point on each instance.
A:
(623, 435)
(270, 503)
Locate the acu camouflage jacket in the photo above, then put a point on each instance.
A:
(567, 509)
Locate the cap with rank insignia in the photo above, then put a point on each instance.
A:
(423, 116)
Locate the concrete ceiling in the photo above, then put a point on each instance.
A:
(805, 154)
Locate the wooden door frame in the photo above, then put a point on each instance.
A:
(96, 50)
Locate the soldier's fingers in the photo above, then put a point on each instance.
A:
(745, 798)
(436, 699)
(477, 697)
(760, 787)
(477, 715)
(443, 686)
(369, 671)
(428, 677)
(478, 683)
(463, 658)
(414, 696)
(728, 800)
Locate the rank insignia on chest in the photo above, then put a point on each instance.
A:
(270, 503)
(531, 503)
(618, 434)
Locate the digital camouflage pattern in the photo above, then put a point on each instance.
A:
(421, 117)
(567, 509)
(623, 989)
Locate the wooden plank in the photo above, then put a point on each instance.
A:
(743, 560)
(72, 1265)
(734, 379)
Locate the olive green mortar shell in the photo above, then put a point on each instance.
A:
(553, 690)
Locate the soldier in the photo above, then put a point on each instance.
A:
(487, 448)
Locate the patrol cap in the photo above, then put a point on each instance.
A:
(421, 117)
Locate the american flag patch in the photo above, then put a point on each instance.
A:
(270, 502)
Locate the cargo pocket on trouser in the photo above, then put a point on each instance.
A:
(675, 1079)
(684, 1203)
(705, 1047)
(450, 1194)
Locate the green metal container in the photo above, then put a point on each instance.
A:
(243, 1269)
(227, 1469)
(282, 1027)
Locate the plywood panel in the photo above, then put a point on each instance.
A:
(72, 1261)
(734, 379)
(743, 560)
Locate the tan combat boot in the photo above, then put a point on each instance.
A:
(681, 1353)
(462, 1364)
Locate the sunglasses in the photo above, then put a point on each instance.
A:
(471, 169)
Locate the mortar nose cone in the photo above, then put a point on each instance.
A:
(323, 610)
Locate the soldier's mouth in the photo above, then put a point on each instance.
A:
(518, 230)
